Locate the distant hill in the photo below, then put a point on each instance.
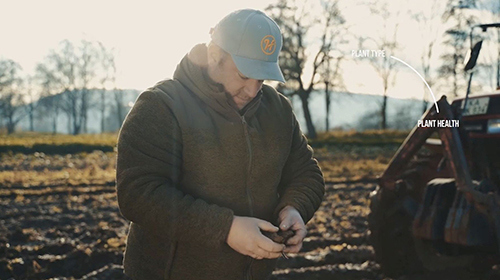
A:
(348, 111)
(43, 120)
(359, 111)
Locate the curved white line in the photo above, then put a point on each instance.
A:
(433, 97)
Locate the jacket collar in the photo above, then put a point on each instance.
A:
(192, 73)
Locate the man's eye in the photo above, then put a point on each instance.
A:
(243, 77)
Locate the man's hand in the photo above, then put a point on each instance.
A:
(289, 218)
(245, 238)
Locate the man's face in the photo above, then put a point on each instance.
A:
(241, 88)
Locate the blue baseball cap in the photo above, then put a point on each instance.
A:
(254, 41)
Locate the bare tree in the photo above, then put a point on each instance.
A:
(119, 105)
(74, 69)
(496, 10)
(32, 99)
(11, 100)
(63, 65)
(429, 34)
(50, 102)
(332, 80)
(386, 40)
(50, 107)
(459, 16)
(489, 11)
(108, 76)
(296, 22)
(89, 62)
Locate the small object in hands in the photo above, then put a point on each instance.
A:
(280, 237)
(284, 255)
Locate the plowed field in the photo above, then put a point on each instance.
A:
(59, 218)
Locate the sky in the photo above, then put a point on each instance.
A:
(150, 37)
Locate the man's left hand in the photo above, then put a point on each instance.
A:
(289, 218)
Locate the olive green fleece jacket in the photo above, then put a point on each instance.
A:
(188, 161)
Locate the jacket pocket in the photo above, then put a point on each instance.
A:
(170, 261)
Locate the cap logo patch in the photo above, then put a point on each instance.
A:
(268, 44)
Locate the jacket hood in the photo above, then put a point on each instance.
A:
(192, 73)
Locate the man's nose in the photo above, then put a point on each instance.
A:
(253, 87)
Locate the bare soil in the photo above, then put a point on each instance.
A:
(77, 232)
(56, 226)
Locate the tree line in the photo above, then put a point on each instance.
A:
(327, 49)
(316, 36)
(63, 83)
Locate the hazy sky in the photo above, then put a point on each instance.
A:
(150, 37)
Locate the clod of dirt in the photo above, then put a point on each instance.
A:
(19, 236)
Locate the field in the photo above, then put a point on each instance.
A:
(59, 216)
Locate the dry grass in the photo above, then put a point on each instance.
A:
(369, 137)
(40, 169)
(342, 156)
(28, 139)
(353, 162)
(339, 163)
(366, 138)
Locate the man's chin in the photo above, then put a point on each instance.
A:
(240, 103)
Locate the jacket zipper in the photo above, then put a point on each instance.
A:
(249, 147)
(248, 275)
(249, 196)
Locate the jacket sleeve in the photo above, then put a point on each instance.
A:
(302, 185)
(147, 177)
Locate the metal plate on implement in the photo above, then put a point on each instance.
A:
(476, 106)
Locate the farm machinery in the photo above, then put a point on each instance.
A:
(437, 206)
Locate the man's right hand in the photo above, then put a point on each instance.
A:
(245, 238)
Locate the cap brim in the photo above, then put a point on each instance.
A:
(257, 69)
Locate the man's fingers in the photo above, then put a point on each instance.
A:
(266, 254)
(286, 223)
(293, 249)
(264, 247)
(255, 256)
(267, 226)
(289, 217)
(298, 237)
(269, 245)
(294, 240)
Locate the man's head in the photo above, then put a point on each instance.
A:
(243, 52)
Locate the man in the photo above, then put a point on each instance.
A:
(211, 159)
